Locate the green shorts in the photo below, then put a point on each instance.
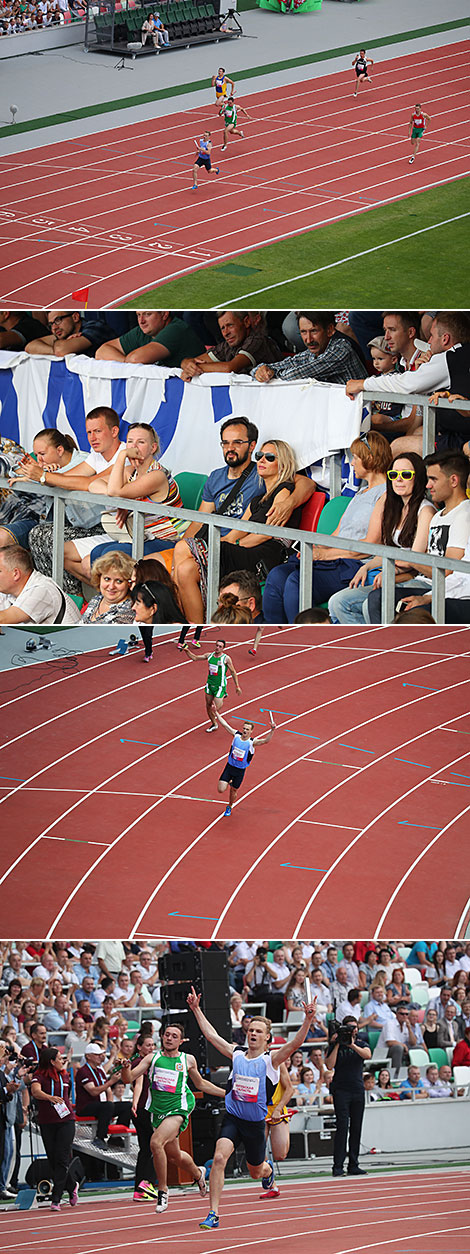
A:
(417, 132)
(157, 1119)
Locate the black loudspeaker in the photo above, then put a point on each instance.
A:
(207, 971)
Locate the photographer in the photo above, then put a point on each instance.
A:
(261, 984)
(347, 1057)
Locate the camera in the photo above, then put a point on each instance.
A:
(344, 1032)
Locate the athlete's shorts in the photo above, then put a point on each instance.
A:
(219, 95)
(250, 1134)
(359, 71)
(157, 1119)
(233, 775)
(205, 161)
(281, 1116)
(417, 132)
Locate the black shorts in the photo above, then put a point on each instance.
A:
(205, 161)
(233, 775)
(250, 1134)
(359, 71)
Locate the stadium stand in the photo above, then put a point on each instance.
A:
(109, 995)
(255, 343)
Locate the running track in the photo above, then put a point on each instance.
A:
(82, 212)
(360, 801)
(416, 1212)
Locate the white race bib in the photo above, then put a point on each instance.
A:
(165, 1081)
(246, 1088)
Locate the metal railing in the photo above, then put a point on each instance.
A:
(429, 411)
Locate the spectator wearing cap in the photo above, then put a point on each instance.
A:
(384, 414)
(162, 33)
(70, 332)
(92, 1084)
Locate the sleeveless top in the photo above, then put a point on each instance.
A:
(168, 1084)
(162, 528)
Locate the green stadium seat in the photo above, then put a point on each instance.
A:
(373, 1038)
(190, 486)
(332, 513)
(439, 1057)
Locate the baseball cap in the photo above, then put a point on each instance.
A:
(94, 1049)
(380, 342)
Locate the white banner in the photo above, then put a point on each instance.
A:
(36, 392)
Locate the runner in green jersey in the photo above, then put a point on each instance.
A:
(230, 111)
(216, 687)
(170, 1103)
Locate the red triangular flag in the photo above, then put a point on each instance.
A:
(82, 294)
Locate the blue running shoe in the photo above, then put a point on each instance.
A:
(194, 187)
(227, 812)
(212, 1220)
(268, 1181)
(217, 171)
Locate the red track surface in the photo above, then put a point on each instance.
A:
(416, 1212)
(361, 799)
(82, 212)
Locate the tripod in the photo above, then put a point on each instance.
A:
(232, 17)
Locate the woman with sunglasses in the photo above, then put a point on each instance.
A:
(240, 550)
(403, 516)
(332, 568)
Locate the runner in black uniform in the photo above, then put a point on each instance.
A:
(360, 64)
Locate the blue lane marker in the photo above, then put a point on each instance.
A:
(125, 741)
(293, 867)
(272, 211)
(410, 763)
(406, 823)
(454, 784)
(210, 917)
(165, 225)
(266, 711)
(294, 733)
(344, 746)
(14, 778)
(458, 773)
(423, 686)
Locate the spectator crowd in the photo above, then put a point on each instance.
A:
(393, 497)
(91, 1004)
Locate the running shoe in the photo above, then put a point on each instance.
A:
(162, 1201)
(194, 187)
(212, 1220)
(227, 812)
(202, 1182)
(55, 1206)
(217, 170)
(411, 161)
(269, 1193)
(268, 1181)
(212, 727)
(146, 1187)
(74, 1196)
(196, 644)
(223, 147)
(242, 133)
(147, 659)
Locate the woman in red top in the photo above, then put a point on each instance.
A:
(50, 1089)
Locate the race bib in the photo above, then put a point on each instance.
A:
(165, 1081)
(61, 1109)
(213, 670)
(246, 1088)
(238, 754)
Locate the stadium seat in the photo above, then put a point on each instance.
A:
(438, 1056)
(332, 513)
(413, 976)
(190, 486)
(420, 994)
(418, 1057)
(462, 1076)
(373, 1034)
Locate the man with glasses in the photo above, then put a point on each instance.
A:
(239, 350)
(70, 333)
(245, 585)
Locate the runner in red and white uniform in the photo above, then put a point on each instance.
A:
(416, 128)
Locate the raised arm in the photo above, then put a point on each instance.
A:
(205, 1086)
(265, 737)
(220, 719)
(193, 999)
(285, 1052)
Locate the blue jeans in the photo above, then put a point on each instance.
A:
(373, 605)
(346, 606)
(281, 593)
(19, 531)
(8, 1151)
(113, 546)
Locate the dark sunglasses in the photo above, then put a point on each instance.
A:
(268, 457)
